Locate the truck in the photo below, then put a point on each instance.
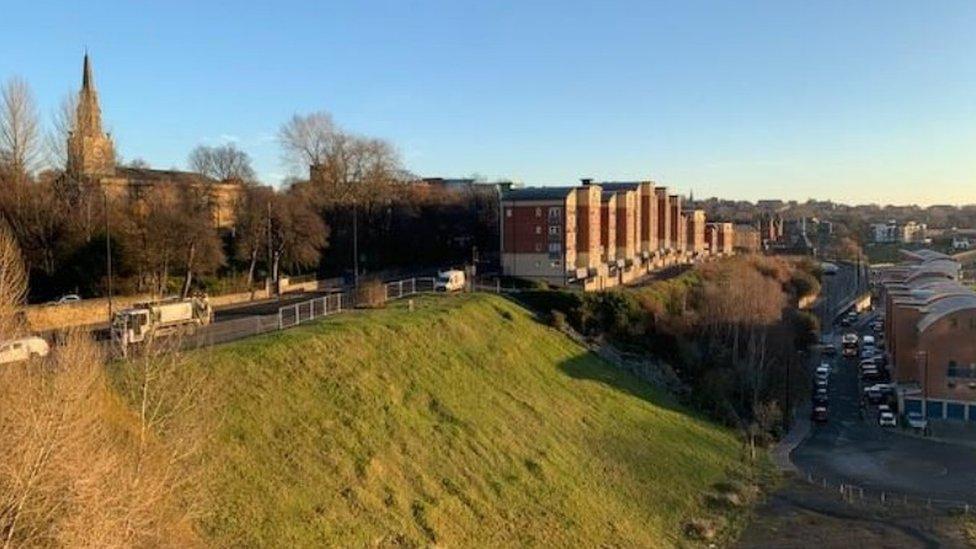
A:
(449, 281)
(144, 321)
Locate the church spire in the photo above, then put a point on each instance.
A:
(86, 80)
(90, 150)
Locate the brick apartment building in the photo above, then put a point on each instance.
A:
(695, 232)
(679, 226)
(597, 235)
(930, 330)
(719, 238)
(746, 239)
(662, 198)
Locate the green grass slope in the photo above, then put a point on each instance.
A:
(461, 423)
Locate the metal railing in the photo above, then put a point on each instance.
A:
(305, 311)
(857, 494)
(293, 315)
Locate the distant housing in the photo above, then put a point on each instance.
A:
(599, 235)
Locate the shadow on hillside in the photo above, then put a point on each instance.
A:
(591, 367)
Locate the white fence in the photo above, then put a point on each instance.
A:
(853, 493)
(293, 315)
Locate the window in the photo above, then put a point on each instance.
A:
(554, 213)
(554, 229)
(955, 370)
(538, 247)
(538, 212)
(508, 212)
(555, 250)
(538, 229)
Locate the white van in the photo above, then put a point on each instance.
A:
(867, 341)
(449, 281)
(16, 350)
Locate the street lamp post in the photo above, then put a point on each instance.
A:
(923, 358)
(108, 252)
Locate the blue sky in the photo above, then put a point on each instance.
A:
(850, 100)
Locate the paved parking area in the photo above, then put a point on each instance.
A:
(852, 448)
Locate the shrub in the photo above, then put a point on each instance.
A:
(558, 320)
(370, 294)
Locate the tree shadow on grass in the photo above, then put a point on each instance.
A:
(591, 367)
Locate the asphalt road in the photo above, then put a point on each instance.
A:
(852, 448)
(261, 308)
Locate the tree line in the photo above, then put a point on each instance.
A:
(351, 205)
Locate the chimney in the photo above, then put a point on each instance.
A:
(586, 181)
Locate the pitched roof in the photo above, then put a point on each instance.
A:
(538, 193)
(148, 175)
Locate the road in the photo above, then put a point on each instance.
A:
(264, 307)
(852, 448)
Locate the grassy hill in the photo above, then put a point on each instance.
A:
(463, 422)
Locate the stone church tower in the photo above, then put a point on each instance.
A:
(90, 151)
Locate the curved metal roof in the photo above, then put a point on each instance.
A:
(943, 308)
(938, 267)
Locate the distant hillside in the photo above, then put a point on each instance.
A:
(464, 422)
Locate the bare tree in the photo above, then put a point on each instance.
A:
(251, 230)
(307, 140)
(298, 233)
(13, 284)
(62, 124)
(222, 162)
(19, 127)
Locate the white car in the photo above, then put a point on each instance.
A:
(67, 298)
(887, 419)
(884, 408)
(916, 421)
(16, 350)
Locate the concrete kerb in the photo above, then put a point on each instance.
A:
(799, 431)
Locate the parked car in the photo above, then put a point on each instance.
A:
(882, 408)
(820, 400)
(887, 419)
(916, 421)
(25, 348)
(819, 414)
(67, 298)
(829, 349)
(874, 396)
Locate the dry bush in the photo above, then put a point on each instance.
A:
(371, 294)
(77, 467)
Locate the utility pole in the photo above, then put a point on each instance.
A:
(271, 274)
(108, 252)
(355, 243)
